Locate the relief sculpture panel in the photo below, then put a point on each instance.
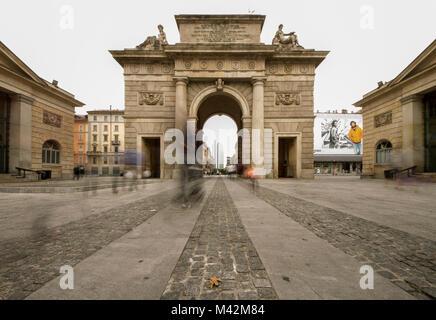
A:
(383, 119)
(287, 98)
(151, 98)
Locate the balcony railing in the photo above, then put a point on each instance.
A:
(94, 152)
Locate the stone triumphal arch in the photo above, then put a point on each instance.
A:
(221, 67)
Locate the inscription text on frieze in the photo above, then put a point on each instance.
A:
(219, 32)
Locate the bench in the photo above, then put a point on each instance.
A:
(22, 172)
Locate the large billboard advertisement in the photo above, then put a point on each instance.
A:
(332, 133)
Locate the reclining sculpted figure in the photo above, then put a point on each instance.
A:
(286, 40)
(153, 42)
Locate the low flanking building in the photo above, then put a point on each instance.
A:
(334, 152)
(80, 140)
(400, 119)
(36, 121)
(105, 142)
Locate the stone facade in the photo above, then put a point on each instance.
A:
(36, 113)
(402, 112)
(220, 66)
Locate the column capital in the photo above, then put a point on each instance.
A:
(411, 98)
(178, 80)
(23, 98)
(258, 80)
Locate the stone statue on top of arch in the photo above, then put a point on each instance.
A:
(286, 41)
(153, 42)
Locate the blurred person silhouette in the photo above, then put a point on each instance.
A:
(76, 171)
(252, 176)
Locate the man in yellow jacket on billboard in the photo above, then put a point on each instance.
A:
(355, 134)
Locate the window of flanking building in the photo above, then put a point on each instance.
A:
(105, 137)
(105, 171)
(116, 149)
(105, 127)
(116, 128)
(383, 152)
(94, 137)
(94, 160)
(105, 149)
(105, 160)
(94, 128)
(51, 151)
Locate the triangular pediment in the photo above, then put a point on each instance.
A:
(11, 62)
(424, 61)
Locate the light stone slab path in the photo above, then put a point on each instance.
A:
(27, 214)
(137, 265)
(299, 264)
(409, 207)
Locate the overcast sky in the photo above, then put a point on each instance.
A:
(363, 50)
(69, 40)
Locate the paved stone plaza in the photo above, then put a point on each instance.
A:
(285, 240)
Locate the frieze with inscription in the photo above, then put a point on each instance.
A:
(149, 68)
(219, 32)
(219, 64)
(287, 68)
(166, 68)
(52, 119)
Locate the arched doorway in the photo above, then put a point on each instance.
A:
(228, 101)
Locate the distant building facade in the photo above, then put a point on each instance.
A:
(36, 121)
(80, 140)
(400, 119)
(334, 151)
(208, 160)
(105, 142)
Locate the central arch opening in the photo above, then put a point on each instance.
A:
(220, 118)
(221, 138)
(219, 104)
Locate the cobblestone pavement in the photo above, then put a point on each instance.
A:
(409, 261)
(219, 247)
(27, 263)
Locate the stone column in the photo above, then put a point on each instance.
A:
(191, 143)
(257, 122)
(413, 150)
(20, 134)
(246, 141)
(181, 114)
(181, 102)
